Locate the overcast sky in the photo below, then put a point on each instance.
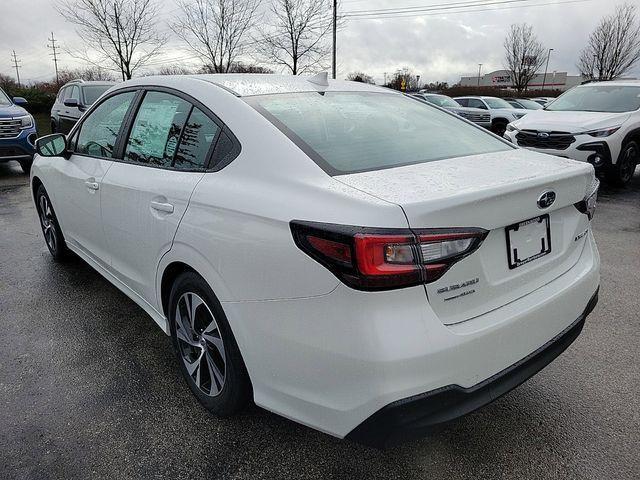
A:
(439, 47)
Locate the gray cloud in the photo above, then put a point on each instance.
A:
(441, 47)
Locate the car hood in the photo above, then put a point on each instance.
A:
(572, 122)
(12, 111)
(512, 111)
(466, 109)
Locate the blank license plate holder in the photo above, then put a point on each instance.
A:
(528, 241)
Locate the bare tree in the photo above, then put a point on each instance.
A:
(216, 30)
(613, 47)
(237, 67)
(360, 77)
(121, 33)
(404, 80)
(296, 36)
(524, 55)
(173, 70)
(89, 74)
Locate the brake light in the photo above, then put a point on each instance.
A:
(384, 259)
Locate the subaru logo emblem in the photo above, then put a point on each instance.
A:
(543, 135)
(546, 199)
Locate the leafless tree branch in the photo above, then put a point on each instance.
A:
(613, 47)
(295, 38)
(122, 33)
(524, 55)
(216, 30)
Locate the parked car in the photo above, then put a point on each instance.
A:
(358, 261)
(501, 112)
(17, 132)
(475, 115)
(73, 99)
(597, 123)
(523, 104)
(543, 100)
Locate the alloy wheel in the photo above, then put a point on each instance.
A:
(48, 222)
(200, 344)
(628, 165)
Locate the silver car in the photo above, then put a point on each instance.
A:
(475, 115)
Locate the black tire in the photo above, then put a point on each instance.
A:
(50, 227)
(622, 172)
(499, 127)
(26, 165)
(53, 127)
(233, 393)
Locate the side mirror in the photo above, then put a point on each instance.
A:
(53, 145)
(71, 102)
(20, 100)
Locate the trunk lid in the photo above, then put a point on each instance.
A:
(491, 191)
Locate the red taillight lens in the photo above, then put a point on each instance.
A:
(337, 251)
(383, 259)
(385, 254)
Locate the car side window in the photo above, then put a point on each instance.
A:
(74, 93)
(199, 134)
(63, 94)
(476, 103)
(157, 130)
(99, 131)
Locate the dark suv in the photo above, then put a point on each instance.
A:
(17, 132)
(73, 99)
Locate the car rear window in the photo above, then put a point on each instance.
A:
(92, 92)
(349, 132)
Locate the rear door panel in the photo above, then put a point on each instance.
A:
(137, 234)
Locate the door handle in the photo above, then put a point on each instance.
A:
(162, 207)
(92, 185)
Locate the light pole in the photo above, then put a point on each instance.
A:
(544, 79)
(335, 28)
(479, 70)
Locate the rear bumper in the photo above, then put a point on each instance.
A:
(333, 361)
(417, 415)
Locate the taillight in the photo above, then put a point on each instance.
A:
(588, 205)
(441, 249)
(383, 259)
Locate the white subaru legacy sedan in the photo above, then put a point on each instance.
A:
(344, 255)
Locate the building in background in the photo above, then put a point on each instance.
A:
(502, 79)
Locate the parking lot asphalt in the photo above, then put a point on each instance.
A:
(89, 387)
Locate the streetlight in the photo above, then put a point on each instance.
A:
(544, 80)
(479, 70)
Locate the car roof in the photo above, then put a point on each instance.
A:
(248, 84)
(84, 83)
(615, 83)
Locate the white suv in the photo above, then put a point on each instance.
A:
(597, 123)
(344, 255)
(502, 112)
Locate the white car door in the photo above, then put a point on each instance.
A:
(79, 178)
(145, 195)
